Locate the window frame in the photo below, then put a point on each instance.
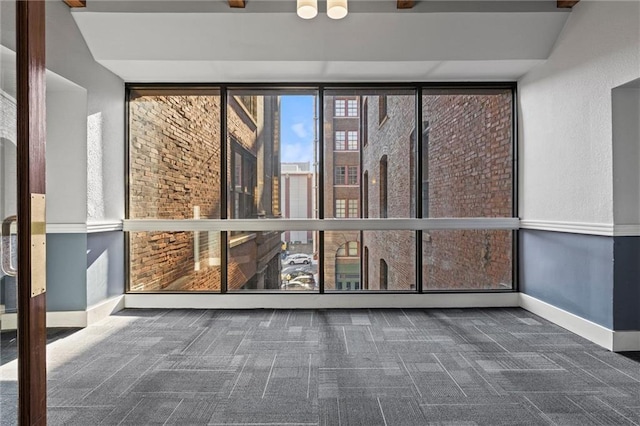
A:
(129, 87)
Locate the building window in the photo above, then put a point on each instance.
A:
(242, 188)
(365, 268)
(353, 175)
(340, 107)
(384, 275)
(425, 170)
(349, 249)
(340, 142)
(353, 208)
(383, 187)
(365, 122)
(251, 104)
(352, 248)
(382, 108)
(352, 107)
(341, 208)
(352, 140)
(340, 175)
(365, 195)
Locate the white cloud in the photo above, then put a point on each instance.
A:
(300, 130)
(295, 153)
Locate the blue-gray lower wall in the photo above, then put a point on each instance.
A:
(66, 272)
(105, 266)
(82, 270)
(573, 272)
(626, 293)
(8, 293)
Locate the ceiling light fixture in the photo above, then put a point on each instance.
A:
(337, 9)
(307, 9)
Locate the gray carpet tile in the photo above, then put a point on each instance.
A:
(332, 367)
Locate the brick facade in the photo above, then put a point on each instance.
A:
(470, 175)
(468, 171)
(334, 191)
(391, 138)
(174, 167)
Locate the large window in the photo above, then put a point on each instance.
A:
(265, 158)
(172, 176)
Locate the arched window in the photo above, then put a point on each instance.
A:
(365, 195)
(384, 275)
(383, 186)
(365, 268)
(348, 266)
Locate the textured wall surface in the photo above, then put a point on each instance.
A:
(174, 167)
(468, 147)
(626, 154)
(565, 115)
(467, 151)
(175, 171)
(68, 56)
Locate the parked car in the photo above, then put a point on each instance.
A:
(298, 258)
(304, 282)
(292, 272)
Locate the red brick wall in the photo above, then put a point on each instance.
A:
(470, 175)
(391, 138)
(174, 166)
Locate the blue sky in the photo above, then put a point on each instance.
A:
(296, 132)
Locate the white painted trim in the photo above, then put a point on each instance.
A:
(626, 341)
(319, 301)
(615, 341)
(106, 226)
(142, 225)
(605, 229)
(66, 228)
(104, 309)
(626, 231)
(79, 319)
(54, 319)
(84, 228)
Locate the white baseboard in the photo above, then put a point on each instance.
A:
(102, 310)
(616, 341)
(320, 301)
(626, 341)
(71, 319)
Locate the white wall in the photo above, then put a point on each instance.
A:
(565, 152)
(626, 155)
(66, 155)
(69, 57)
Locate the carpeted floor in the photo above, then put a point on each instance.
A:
(336, 367)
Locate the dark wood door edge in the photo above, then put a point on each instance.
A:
(30, 42)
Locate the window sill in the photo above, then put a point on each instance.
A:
(241, 239)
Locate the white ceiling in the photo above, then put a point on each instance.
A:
(142, 42)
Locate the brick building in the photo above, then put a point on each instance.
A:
(388, 164)
(342, 190)
(466, 172)
(175, 174)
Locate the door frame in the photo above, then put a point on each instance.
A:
(31, 135)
